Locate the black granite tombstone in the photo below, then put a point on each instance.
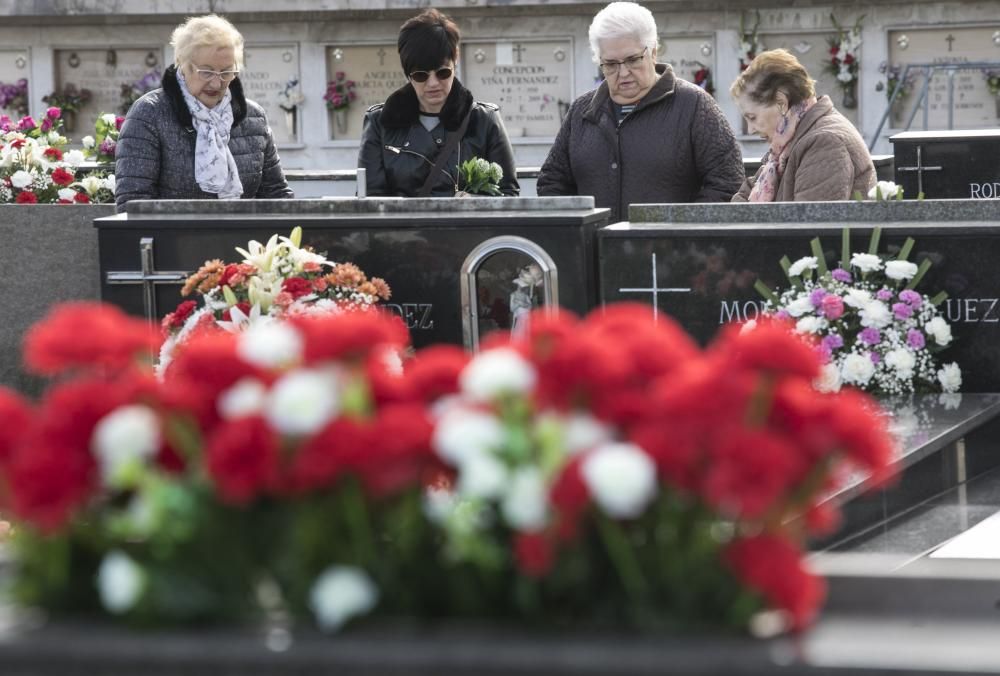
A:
(703, 274)
(948, 164)
(425, 249)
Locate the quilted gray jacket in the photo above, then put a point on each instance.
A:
(155, 154)
(676, 146)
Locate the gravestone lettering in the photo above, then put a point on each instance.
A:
(103, 72)
(948, 164)
(975, 106)
(531, 81)
(373, 72)
(270, 70)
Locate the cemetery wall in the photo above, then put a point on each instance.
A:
(531, 57)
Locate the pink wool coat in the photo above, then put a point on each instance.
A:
(828, 160)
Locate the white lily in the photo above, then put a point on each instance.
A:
(260, 255)
(238, 320)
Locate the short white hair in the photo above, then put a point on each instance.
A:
(622, 20)
(210, 30)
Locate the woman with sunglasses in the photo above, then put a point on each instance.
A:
(643, 135)
(413, 143)
(199, 137)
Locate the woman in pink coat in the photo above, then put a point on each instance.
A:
(815, 153)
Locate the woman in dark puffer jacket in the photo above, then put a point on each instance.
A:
(404, 137)
(199, 137)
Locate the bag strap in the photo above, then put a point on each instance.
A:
(454, 138)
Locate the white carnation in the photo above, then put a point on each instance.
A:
(583, 432)
(525, 505)
(902, 360)
(801, 265)
(67, 194)
(482, 475)
(246, 397)
(340, 593)
(900, 269)
(857, 369)
(462, 434)
(888, 190)
(21, 179)
(109, 182)
(829, 379)
(109, 118)
(940, 330)
(866, 262)
(950, 377)
(800, 306)
(857, 298)
(810, 324)
(496, 372)
(119, 582)
(123, 440)
(89, 142)
(270, 345)
(74, 158)
(621, 478)
(302, 402)
(876, 313)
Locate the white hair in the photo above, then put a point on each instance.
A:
(622, 20)
(210, 30)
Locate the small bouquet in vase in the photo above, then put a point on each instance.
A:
(480, 177)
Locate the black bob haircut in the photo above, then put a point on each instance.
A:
(427, 41)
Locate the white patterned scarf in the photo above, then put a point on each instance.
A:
(214, 166)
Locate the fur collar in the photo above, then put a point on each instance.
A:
(172, 87)
(402, 108)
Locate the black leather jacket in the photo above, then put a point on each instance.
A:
(396, 123)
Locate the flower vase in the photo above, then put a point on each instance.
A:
(850, 101)
(69, 120)
(290, 122)
(340, 121)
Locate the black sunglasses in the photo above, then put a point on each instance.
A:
(422, 76)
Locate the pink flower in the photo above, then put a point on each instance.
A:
(833, 306)
(53, 113)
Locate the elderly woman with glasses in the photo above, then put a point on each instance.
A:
(199, 137)
(643, 135)
(415, 142)
(815, 153)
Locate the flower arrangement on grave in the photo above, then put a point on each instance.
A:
(339, 92)
(34, 169)
(102, 146)
(603, 470)
(274, 282)
(133, 91)
(480, 177)
(750, 45)
(844, 63)
(992, 78)
(291, 97)
(14, 97)
(894, 81)
(883, 191)
(871, 327)
(703, 79)
(69, 99)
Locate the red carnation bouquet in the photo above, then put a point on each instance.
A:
(604, 470)
(275, 281)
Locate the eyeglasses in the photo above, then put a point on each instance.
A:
(209, 75)
(630, 63)
(422, 76)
